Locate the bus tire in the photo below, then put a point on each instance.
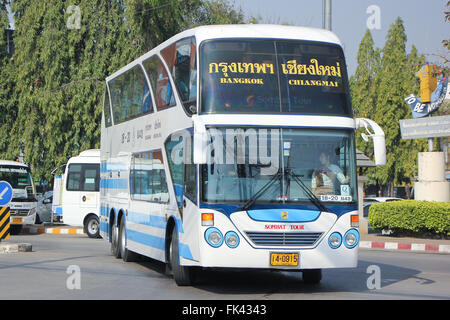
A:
(312, 276)
(183, 275)
(127, 255)
(115, 241)
(92, 226)
(15, 229)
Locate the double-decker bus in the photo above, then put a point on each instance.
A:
(233, 147)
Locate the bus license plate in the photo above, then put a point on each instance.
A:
(16, 220)
(283, 259)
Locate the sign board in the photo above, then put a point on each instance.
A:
(429, 127)
(6, 193)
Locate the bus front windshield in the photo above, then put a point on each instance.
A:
(273, 76)
(20, 180)
(293, 166)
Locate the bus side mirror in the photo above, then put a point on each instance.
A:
(200, 138)
(379, 143)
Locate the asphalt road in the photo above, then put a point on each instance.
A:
(75, 267)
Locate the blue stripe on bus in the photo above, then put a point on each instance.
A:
(292, 215)
(228, 209)
(157, 242)
(146, 219)
(114, 183)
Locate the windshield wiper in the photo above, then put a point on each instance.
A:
(311, 196)
(261, 191)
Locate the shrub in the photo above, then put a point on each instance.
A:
(411, 216)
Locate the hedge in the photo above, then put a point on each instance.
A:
(411, 216)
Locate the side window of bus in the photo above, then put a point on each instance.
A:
(159, 80)
(190, 181)
(148, 178)
(83, 177)
(181, 60)
(130, 95)
(106, 108)
(181, 166)
(174, 150)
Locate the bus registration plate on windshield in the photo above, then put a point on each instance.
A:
(283, 259)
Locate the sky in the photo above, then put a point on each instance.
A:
(423, 21)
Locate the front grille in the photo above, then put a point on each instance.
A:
(19, 212)
(291, 239)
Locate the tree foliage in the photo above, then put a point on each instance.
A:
(51, 90)
(382, 80)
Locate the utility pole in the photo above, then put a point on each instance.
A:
(327, 14)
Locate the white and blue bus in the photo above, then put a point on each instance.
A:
(233, 147)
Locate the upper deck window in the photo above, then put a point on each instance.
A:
(273, 76)
(130, 95)
(181, 60)
(159, 80)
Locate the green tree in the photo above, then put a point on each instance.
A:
(396, 80)
(363, 86)
(8, 105)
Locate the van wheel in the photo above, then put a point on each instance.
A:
(183, 275)
(312, 276)
(127, 255)
(92, 227)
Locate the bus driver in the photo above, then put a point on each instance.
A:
(324, 179)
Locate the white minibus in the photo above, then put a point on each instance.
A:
(76, 193)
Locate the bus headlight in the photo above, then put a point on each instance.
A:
(335, 240)
(232, 239)
(214, 237)
(351, 238)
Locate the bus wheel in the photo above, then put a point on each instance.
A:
(312, 276)
(183, 275)
(92, 227)
(15, 229)
(115, 241)
(127, 255)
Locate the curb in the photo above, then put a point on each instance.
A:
(51, 230)
(405, 246)
(15, 247)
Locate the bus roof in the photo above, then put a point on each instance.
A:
(13, 163)
(263, 31)
(87, 156)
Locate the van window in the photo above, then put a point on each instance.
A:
(83, 177)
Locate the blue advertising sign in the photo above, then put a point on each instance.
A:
(6, 193)
(420, 109)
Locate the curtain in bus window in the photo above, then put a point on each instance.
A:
(130, 95)
(159, 80)
(180, 58)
